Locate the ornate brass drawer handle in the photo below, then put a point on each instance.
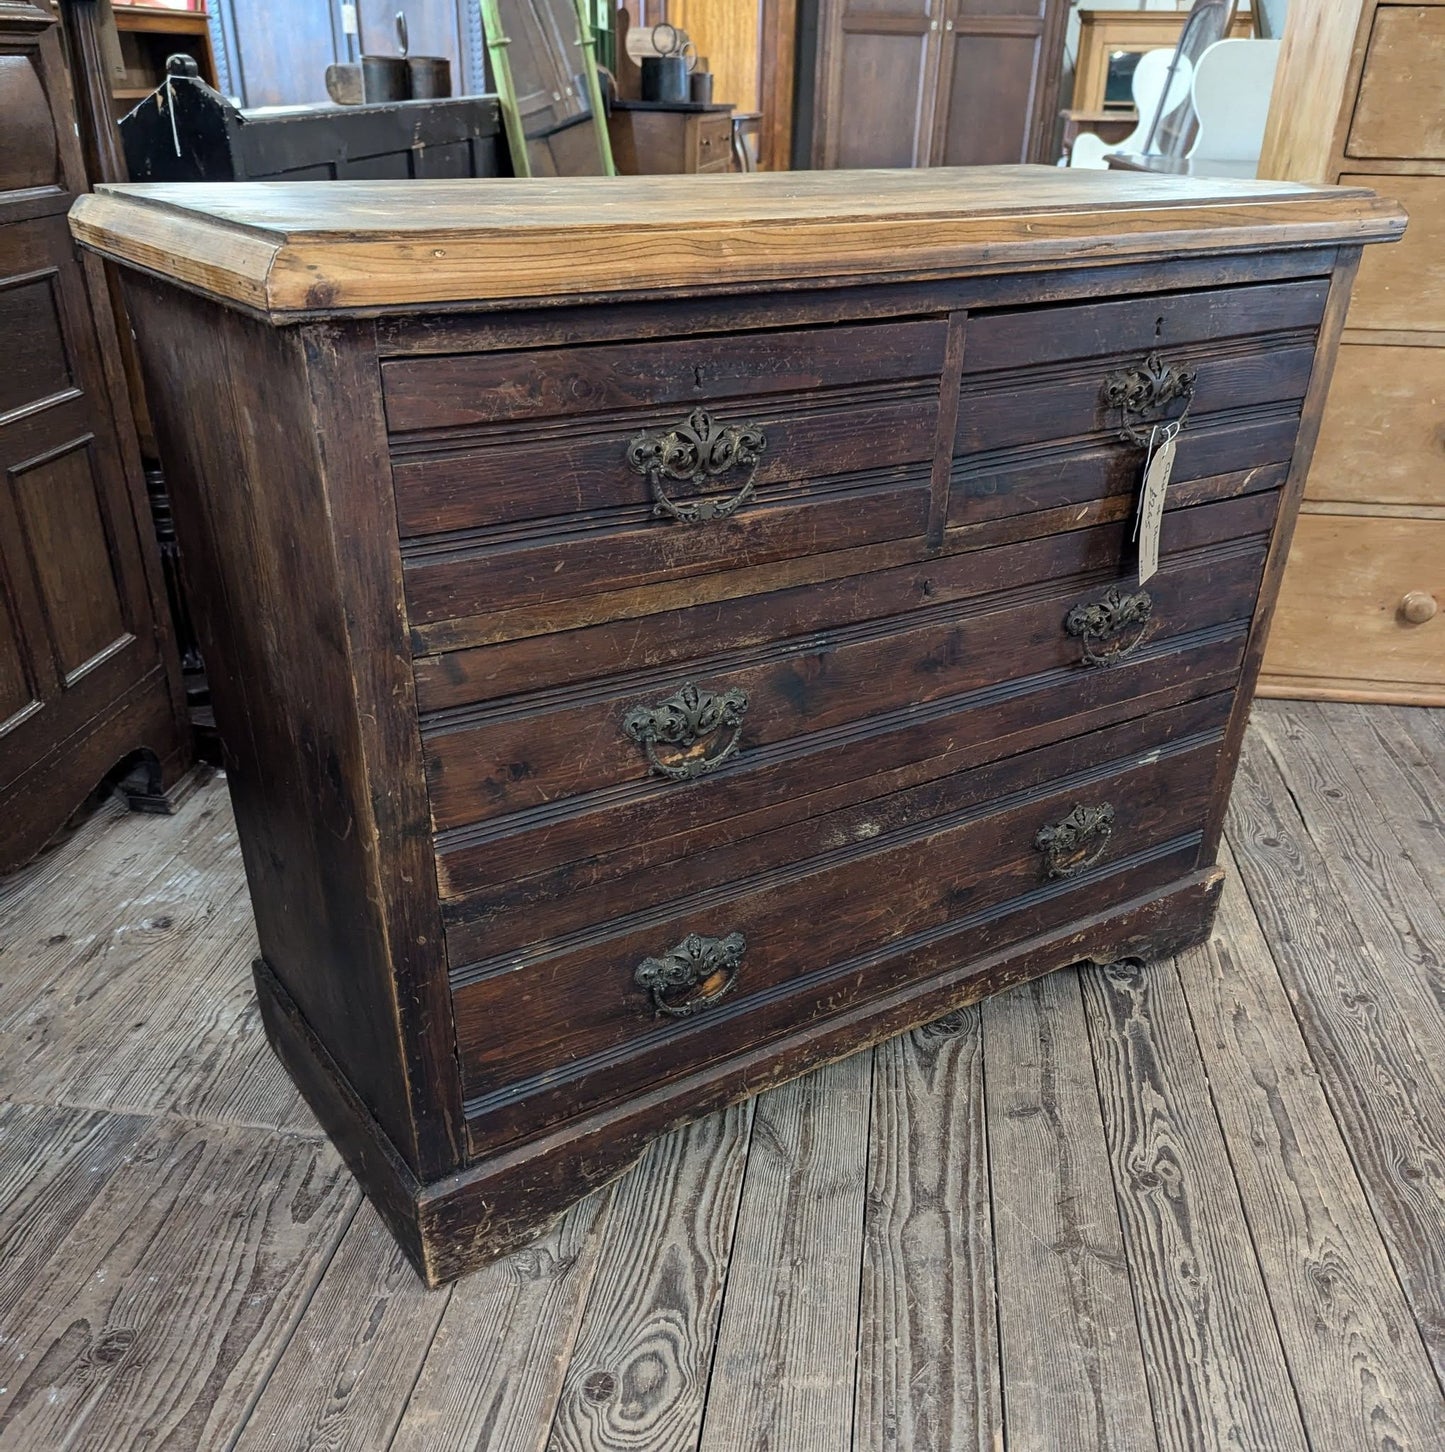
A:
(686, 720)
(1078, 842)
(693, 976)
(1144, 390)
(697, 451)
(1104, 619)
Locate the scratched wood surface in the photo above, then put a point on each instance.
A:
(1195, 1205)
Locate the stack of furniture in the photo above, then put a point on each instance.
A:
(1360, 98)
(89, 679)
(691, 627)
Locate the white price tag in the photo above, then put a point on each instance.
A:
(1149, 520)
(348, 20)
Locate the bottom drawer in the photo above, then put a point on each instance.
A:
(982, 858)
(1344, 617)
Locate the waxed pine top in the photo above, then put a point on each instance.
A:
(297, 249)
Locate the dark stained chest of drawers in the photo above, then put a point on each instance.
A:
(667, 634)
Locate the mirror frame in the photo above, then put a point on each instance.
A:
(497, 42)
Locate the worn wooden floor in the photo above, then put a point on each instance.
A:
(1200, 1205)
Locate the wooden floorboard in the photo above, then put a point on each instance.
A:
(1358, 1367)
(928, 1357)
(1073, 1367)
(1378, 1056)
(1195, 1205)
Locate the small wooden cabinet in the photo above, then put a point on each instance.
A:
(650, 139)
(1360, 99)
(1103, 33)
(691, 629)
(88, 675)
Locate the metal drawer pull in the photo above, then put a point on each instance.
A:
(693, 976)
(1078, 842)
(1146, 389)
(1103, 619)
(687, 720)
(697, 451)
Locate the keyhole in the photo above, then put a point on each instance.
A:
(1158, 329)
(696, 376)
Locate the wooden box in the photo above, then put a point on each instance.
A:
(670, 632)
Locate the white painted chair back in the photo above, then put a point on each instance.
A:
(1232, 86)
(1150, 76)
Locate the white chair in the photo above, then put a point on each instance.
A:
(1150, 78)
(1232, 85)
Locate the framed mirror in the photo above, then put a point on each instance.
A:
(543, 57)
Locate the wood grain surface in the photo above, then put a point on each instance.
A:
(293, 247)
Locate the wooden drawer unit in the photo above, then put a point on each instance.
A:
(1359, 98)
(969, 856)
(1400, 112)
(1382, 438)
(519, 476)
(641, 698)
(1380, 585)
(1405, 291)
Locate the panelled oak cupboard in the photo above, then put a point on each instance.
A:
(88, 673)
(658, 679)
(928, 82)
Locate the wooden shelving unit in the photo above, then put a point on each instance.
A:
(147, 36)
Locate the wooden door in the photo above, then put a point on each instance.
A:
(877, 78)
(78, 633)
(998, 82)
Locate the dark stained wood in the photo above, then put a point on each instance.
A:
(928, 1356)
(312, 830)
(1311, 412)
(1066, 1316)
(1216, 1370)
(435, 589)
(89, 679)
(803, 696)
(1359, 1373)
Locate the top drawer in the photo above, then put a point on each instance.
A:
(456, 392)
(1400, 112)
(527, 475)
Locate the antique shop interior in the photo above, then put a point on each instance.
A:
(722, 725)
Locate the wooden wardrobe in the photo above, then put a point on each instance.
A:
(1360, 99)
(88, 675)
(929, 82)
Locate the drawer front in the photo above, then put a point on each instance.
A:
(1039, 421)
(558, 774)
(1349, 593)
(1382, 438)
(714, 143)
(1402, 287)
(1400, 110)
(524, 476)
(959, 857)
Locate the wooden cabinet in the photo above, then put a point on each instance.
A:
(87, 674)
(147, 36)
(1360, 99)
(692, 627)
(931, 82)
(649, 139)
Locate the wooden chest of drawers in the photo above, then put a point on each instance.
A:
(666, 634)
(1360, 99)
